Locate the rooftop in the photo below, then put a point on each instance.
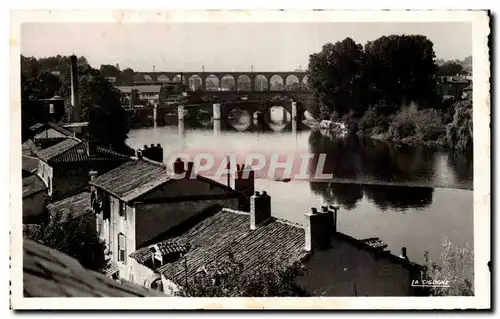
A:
(50, 152)
(74, 206)
(132, 179)
(75, 150)
(29, 147)
(29, 163)
(50, 273)
(39, 127)
(140, 88)
(227, 232)
(32, 185)
(77, 124)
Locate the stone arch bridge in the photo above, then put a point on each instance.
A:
(231, 81)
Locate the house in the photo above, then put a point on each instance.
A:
(337, 264)
(29, 165)
(35, 194)
(453, 85)
(149, 93)
(43, 135)
(66, 166)
(50, 273)
(137, 202)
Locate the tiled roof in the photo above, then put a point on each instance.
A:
(32, 185)
(38, 127)
(29, 148)
(228, 232)
(140, 88)
(132, 179)
(30, 164)
(50, 273)
(78, 153)
(61, 147)
(74, 150)
(74, 206)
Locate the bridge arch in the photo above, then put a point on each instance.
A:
(178, 79)
(212, 83)
(276, 82)
(195, 83)
(261, 83)
(292, 83)
(139, 78)
(148, 77)
(244, 83)
(227, 83)
(163, 78)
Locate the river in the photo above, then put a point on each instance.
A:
(409, 197)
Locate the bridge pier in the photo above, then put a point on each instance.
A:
(180, 120)
(155, 115)
(216, 112)
(217, 127)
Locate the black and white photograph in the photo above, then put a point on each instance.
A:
(286, 154)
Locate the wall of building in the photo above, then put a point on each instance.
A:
(49, 133)
(348, 270)
(119, 224)
(68, 179)
(46, 173)
(34, 208)
(155, 219)
(185, 187)
(169, 287)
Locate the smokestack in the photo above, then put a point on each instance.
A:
(75, 101)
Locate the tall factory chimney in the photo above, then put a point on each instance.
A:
(75, 101)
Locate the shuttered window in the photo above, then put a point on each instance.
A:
(122, 250)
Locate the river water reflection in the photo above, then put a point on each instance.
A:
(406, 196)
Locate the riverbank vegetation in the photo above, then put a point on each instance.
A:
(388, 90)
(99, 99)
(454, 269)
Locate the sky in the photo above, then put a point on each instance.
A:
(224, 46)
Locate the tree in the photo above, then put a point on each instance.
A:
(455, 268)
(126, 77)
(449, 68)
(99, 99)
(271, 279)
(401, 69)
(335, 77)
(108, 70)
(459, 133)
(73, 236)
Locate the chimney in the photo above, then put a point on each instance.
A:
(75, 101)
(92, 174)
(244, 180)
(189, 171)
(139, 154)
(260, 209)
(318, 228)
(334, 209)
(91, 148)
(179, 166)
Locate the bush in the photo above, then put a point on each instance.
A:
(455, 267)
(73, 236)
(414, 126)
(373, 121)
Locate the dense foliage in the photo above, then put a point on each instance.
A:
(388, 89)
(99, 99)
(271, 279)
(455, 267)
(73, 236)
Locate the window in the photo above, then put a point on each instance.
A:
(122, 251)
(122, 210)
